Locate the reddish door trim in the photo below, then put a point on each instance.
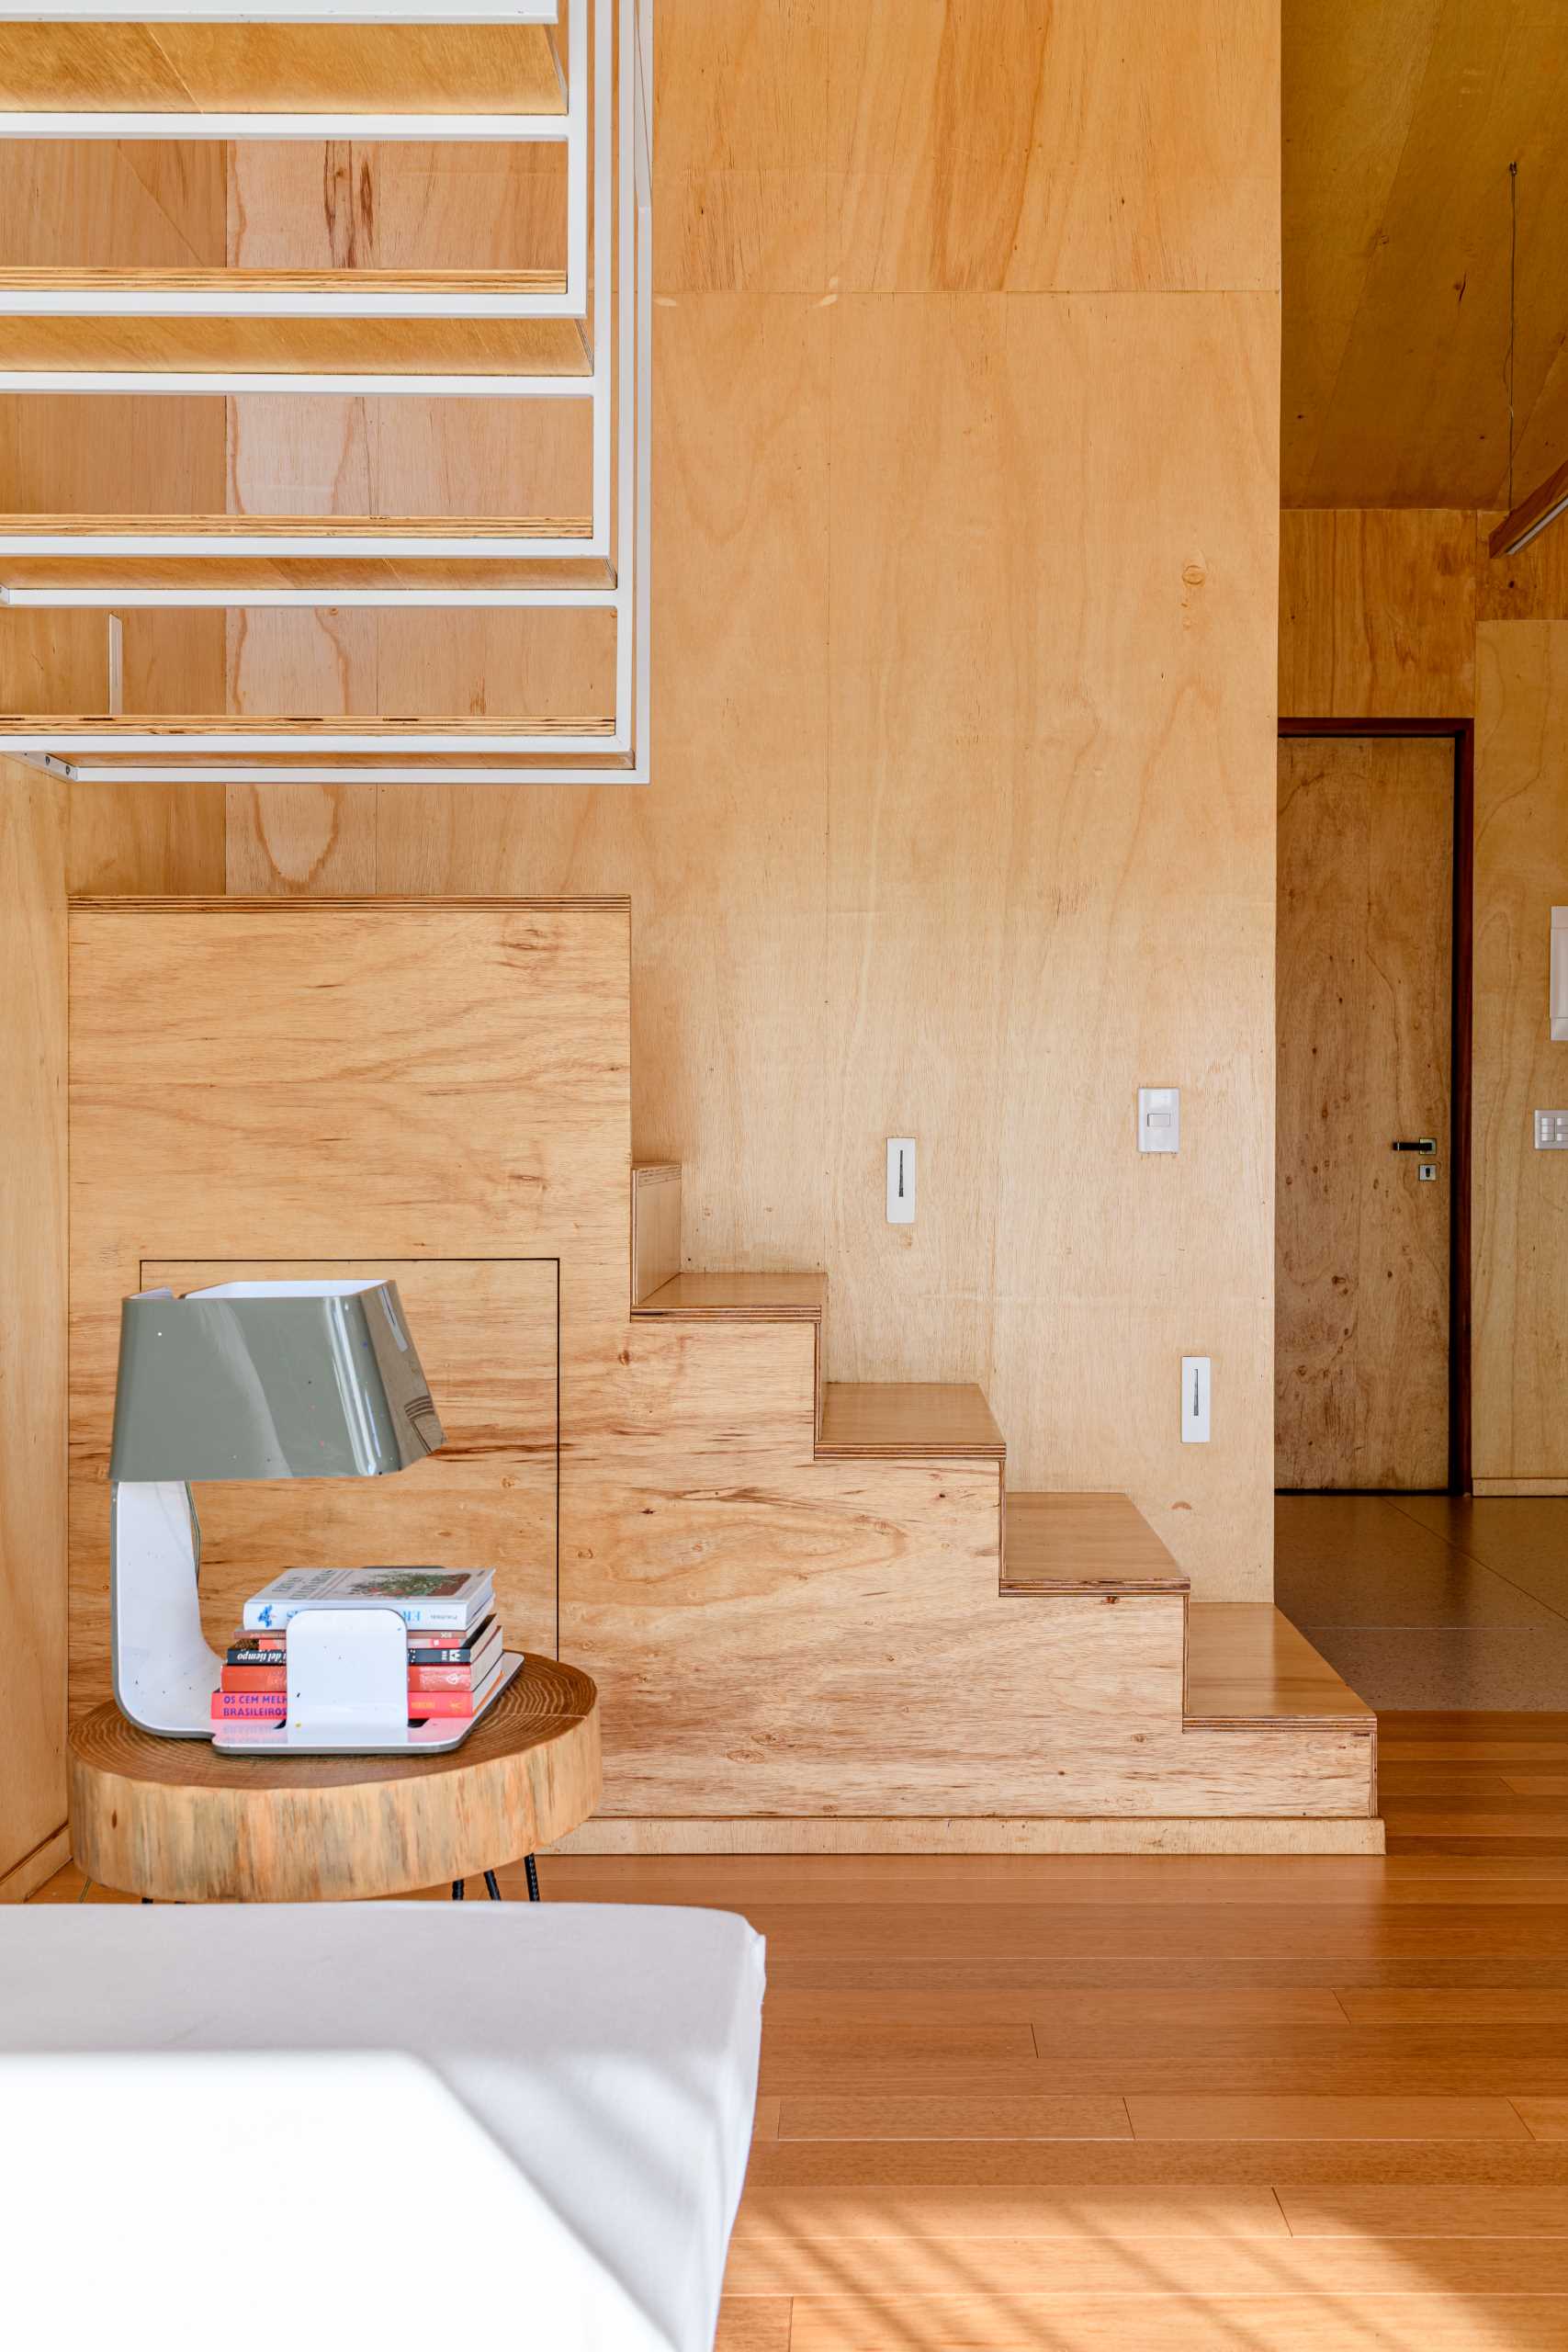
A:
(1462, 731)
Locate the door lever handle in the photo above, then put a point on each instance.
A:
(1418, 1143)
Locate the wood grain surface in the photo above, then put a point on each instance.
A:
(1365, 1020)
(1400, 123)
(316, 345)
(33, 1212)
(1520, 1262)
(656, 1227)
(1377, 613)
(173, 1819)
(862, 291)
(280, 68)
(1084, 1543)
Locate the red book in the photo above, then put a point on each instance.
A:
(422, 1679)
(249, 1706)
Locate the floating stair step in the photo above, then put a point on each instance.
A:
(107, 538)
(190, 729)
(275, 293)
(231, 579)
(225, 68)
(908, 1421)
(526, 350)
(740, 1298)
(1094, 1545)
(1248, 1666)
(392, 765)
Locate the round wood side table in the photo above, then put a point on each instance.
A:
(173, 1821)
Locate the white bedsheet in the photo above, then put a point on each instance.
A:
(362, 2125)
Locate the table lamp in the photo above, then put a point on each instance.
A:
(255, 1380)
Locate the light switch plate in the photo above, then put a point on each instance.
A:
(900, 1180)
(1551, 1131)
(1195, 1400)
(1159, 1118)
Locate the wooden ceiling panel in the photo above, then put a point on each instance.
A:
(1401, 119)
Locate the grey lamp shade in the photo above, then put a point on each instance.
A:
(269, 1380)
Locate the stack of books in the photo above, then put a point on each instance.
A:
(453, 1636)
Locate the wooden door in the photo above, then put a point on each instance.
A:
(1365, 1030)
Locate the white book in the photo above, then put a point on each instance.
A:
(449, 1599)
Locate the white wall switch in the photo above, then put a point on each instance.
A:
(900, 1180)
(1551, 1131)
(1159, 1118)
(1194, 1400)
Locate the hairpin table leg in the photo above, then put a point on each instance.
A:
(533, 1876)
(493, 1890)
(458, 1890)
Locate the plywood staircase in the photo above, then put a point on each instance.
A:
(922, 1661)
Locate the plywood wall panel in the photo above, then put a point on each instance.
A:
(1400, 123)
(1377, 613)
(32, 1316)
(223, 1109)
(1521, 1307)
(1126, 143)
(725, 855)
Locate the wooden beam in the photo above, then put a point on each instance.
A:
(1532, 515)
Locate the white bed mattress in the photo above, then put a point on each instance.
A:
(375, 2124)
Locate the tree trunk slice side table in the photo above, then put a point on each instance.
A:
(172, 1820)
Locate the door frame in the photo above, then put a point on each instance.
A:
(1463, 733)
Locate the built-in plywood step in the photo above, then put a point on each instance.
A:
(236, 351)
(1095, 1546)
(1248, 1669)
(341, 69)
(740, 1298)
(908, 1421)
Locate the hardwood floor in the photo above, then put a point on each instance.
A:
(1077, 2102)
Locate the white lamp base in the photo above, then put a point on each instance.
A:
(164, 1674)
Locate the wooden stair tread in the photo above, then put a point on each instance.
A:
(1096, 1545)
(358, 347)
(237, 67)
(1247, 1664)
(264, 527)
(191, 727)
(740, 1298)
(325, 575)
(914, 1420)
(52, 279)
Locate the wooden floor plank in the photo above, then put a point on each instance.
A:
(1123, 2213)
(1412, 2323)
(1468, 2209)
(1192, 2269)
(913, 2117)
(1251, 2116)
(1544, 2118)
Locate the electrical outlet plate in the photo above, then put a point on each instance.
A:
(900, 1180)
(1195, 1385)
(1159, 1118)
(1551, 1131)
